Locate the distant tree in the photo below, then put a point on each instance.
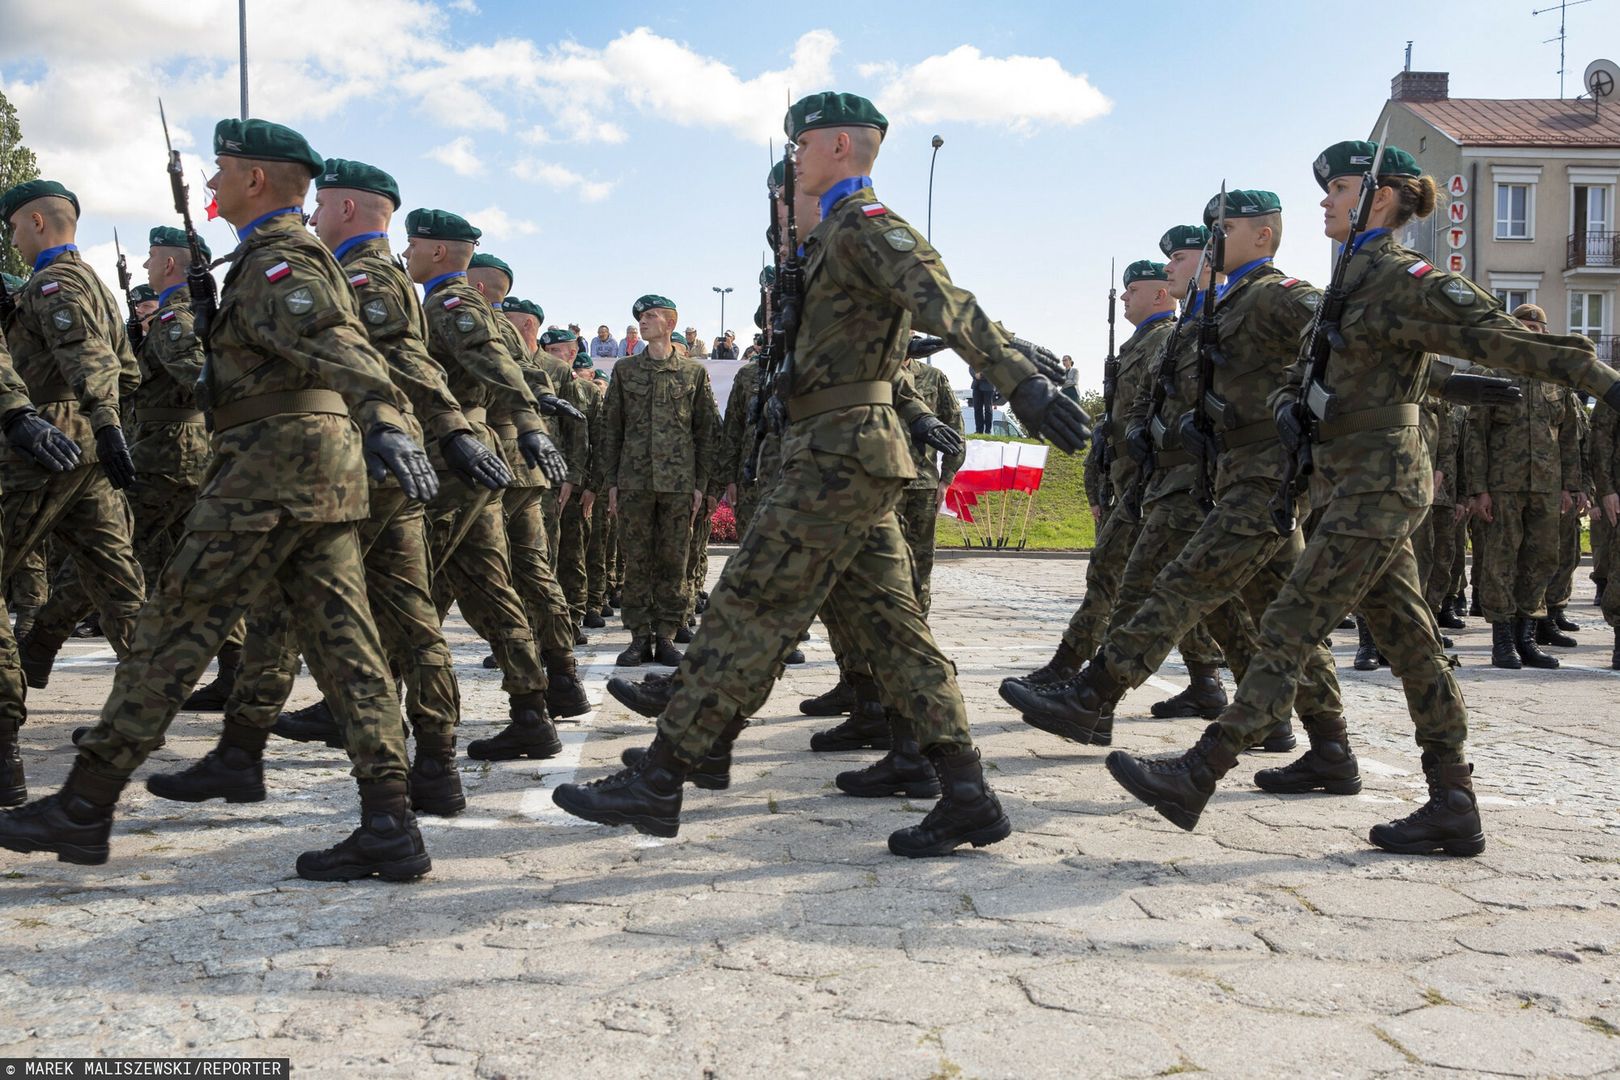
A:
(1092, 402)
(17, 164)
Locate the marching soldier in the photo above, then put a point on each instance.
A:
(919, 507)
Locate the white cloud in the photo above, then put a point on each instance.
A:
(1024, 93)
(457, 156)
(561, 178)
(466, 7)
(497, 224)
(535, 136)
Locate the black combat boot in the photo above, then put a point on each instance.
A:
(1178, 787)
(1503, 652)
(530, 734)
(579, 636)
(1080, 710)
(1614, 660)
(1065, 664)
(1524, 640)
(867, 727)
(594, 621)
(1449, 821)
(89, 627)
(565, 697)
(1548, 632)
(1597, 599)
(1279, 740)
(902, 771)
(491, 663)
(1347, 623)
(968, 811)
(794, 657)
(1447, 618)
(387, 843)
(434, 780)
(37, 652)
(638, 652)
(1560, 617)
(835, 702)
(212, 698)
(713, 773)
(13, 784)
(649, 697)
(312, 723)
(646, 796)
(1367, 658)
(1327, 766)
(683, 636)
(74, 823)
(1204, 697)
(665, 652)
(233, 770)
(1473, 603)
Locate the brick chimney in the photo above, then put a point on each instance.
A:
(1420, 86)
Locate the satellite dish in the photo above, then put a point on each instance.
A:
(1601, 77)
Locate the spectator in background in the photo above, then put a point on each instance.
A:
(1071, 379)
(725, 348)
(697, 350)
(579, 339)
(632, 343)
(755, 349)
(984, 399)
(603, 347)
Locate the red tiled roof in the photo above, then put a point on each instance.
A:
(1522, 121)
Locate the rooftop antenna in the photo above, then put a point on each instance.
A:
(1562, 36)
(1408, 56)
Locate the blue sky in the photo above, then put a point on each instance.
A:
(616, 149)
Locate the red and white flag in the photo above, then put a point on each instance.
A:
(1030, 467)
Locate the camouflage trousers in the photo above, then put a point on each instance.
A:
(1344, 569)
(90, 520)
(828, 529)
(532, 575)
(13, 694)
(1521, 555)
(1611, 554)
(204, 590)
(551, 521)
(472, 568)
(1562, 585)
(29, 586)
(697, 560)
(393, 547)
(573, 544)
(655, 532)
(1235, 555)
(604, 535)
(1602, 546)
(1434, 546)
(1459, 559)
(919, 518)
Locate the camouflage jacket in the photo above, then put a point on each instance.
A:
(1583, 439)
(736, 427)
(1441, 433)
(162, 442)
(934, 389)
(13, 391)
(68, 344)
(1605, 452)
(1530, 446)
(595, 417)
(662, 428)
(584, 395)
(1137, 358)
(1399, 309)
(288, 321)
(394, 321)
(538, 382)
(870, 278)
(1177, 472)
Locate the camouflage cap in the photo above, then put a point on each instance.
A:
(831, 109)
(1242, 203)
(1145, 270)
(262, 140)
(525, 307)
(1355, 158)
(1530, 313)
(651, 300)
(1182, 237)
(484, 261)
(142, 293)
(440, 225)
(26, 192)
(357, 175)
(169, 236)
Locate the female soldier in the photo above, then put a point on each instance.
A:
(1373, 482)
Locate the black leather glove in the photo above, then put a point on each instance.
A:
(930, 430)
(1193, 438)
(552, 405)
(1139, 444)
(1290, 416)
(114, 454)
(920, 347)
(541, 453)
(1611, 397)
(1099, 443)
(134, 330)
(1044, 411)
(37, 438)
(201, 285)
(390, 450)
(476, 463)
(1045, 360)
(1480, 390)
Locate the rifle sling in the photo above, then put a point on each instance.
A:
(1169, 459)
(843, 396)
(1247, 435)
(1384, 416)
(258, 407)
(168, 416)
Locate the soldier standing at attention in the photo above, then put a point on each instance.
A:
(658, 446)
(576, 500)
(68, 344)
(290, 365)
(1606, 483)
(829, 526)
(919, 507)
(1558, 622)
(1373, 483)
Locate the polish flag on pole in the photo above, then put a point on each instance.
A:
(982, 467)
(1031, 465)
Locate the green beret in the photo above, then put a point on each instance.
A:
(526, 307)
(582, 361)
(481, 261)
(342, 173)
(1182, 237)
(651, 300)
(142, 293)
(778, 176)
(14, 284)
(555, 336)
(767, 277)
(29, 190)
(440, 225)
(1145, 270)
(829, 109)
(262, 140)
(169, 236)
(678, 338)
(1243, 203)
(1355, 158)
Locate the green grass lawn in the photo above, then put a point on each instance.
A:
(1060, 520)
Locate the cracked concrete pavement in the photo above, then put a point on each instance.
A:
(776, 936)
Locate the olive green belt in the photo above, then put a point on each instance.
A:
(1169, 459)
(843, 396)
(475, 415)
(168, 416)
(1379, 419)
(1247, 435)
(236, 413)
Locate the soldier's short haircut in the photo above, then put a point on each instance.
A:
(289, 181)
(58, 213)
(460, 252)
(1273, 222)
(863, 145)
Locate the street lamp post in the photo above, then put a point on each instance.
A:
(938, 142)
(722, 293)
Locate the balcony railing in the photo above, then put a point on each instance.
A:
(1608, 349)
(1592, 249)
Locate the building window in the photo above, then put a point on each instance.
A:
(1512, 298)
(1588, 313)
(1515, 209)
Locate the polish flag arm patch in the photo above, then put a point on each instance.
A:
(49, 287)
(278, 271)
(876, 209)
(167, 315)
(362, 278)
(1420, 269)
(452, 302)
(1289, 283)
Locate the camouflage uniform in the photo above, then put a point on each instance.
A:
(658, 446)
(574, 536)
(919, 506)
(1569, 525)
(1373, 482)
(261, 521)
(1606, 481)
(599, 552)
(68, 344)
(13, 694)
(1602, 534)
(571, 439)
(1434, 545)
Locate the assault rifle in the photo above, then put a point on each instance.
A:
(1099, 434)
(204, 300)
(1197, 431)
(133, 328)
(776, 367)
